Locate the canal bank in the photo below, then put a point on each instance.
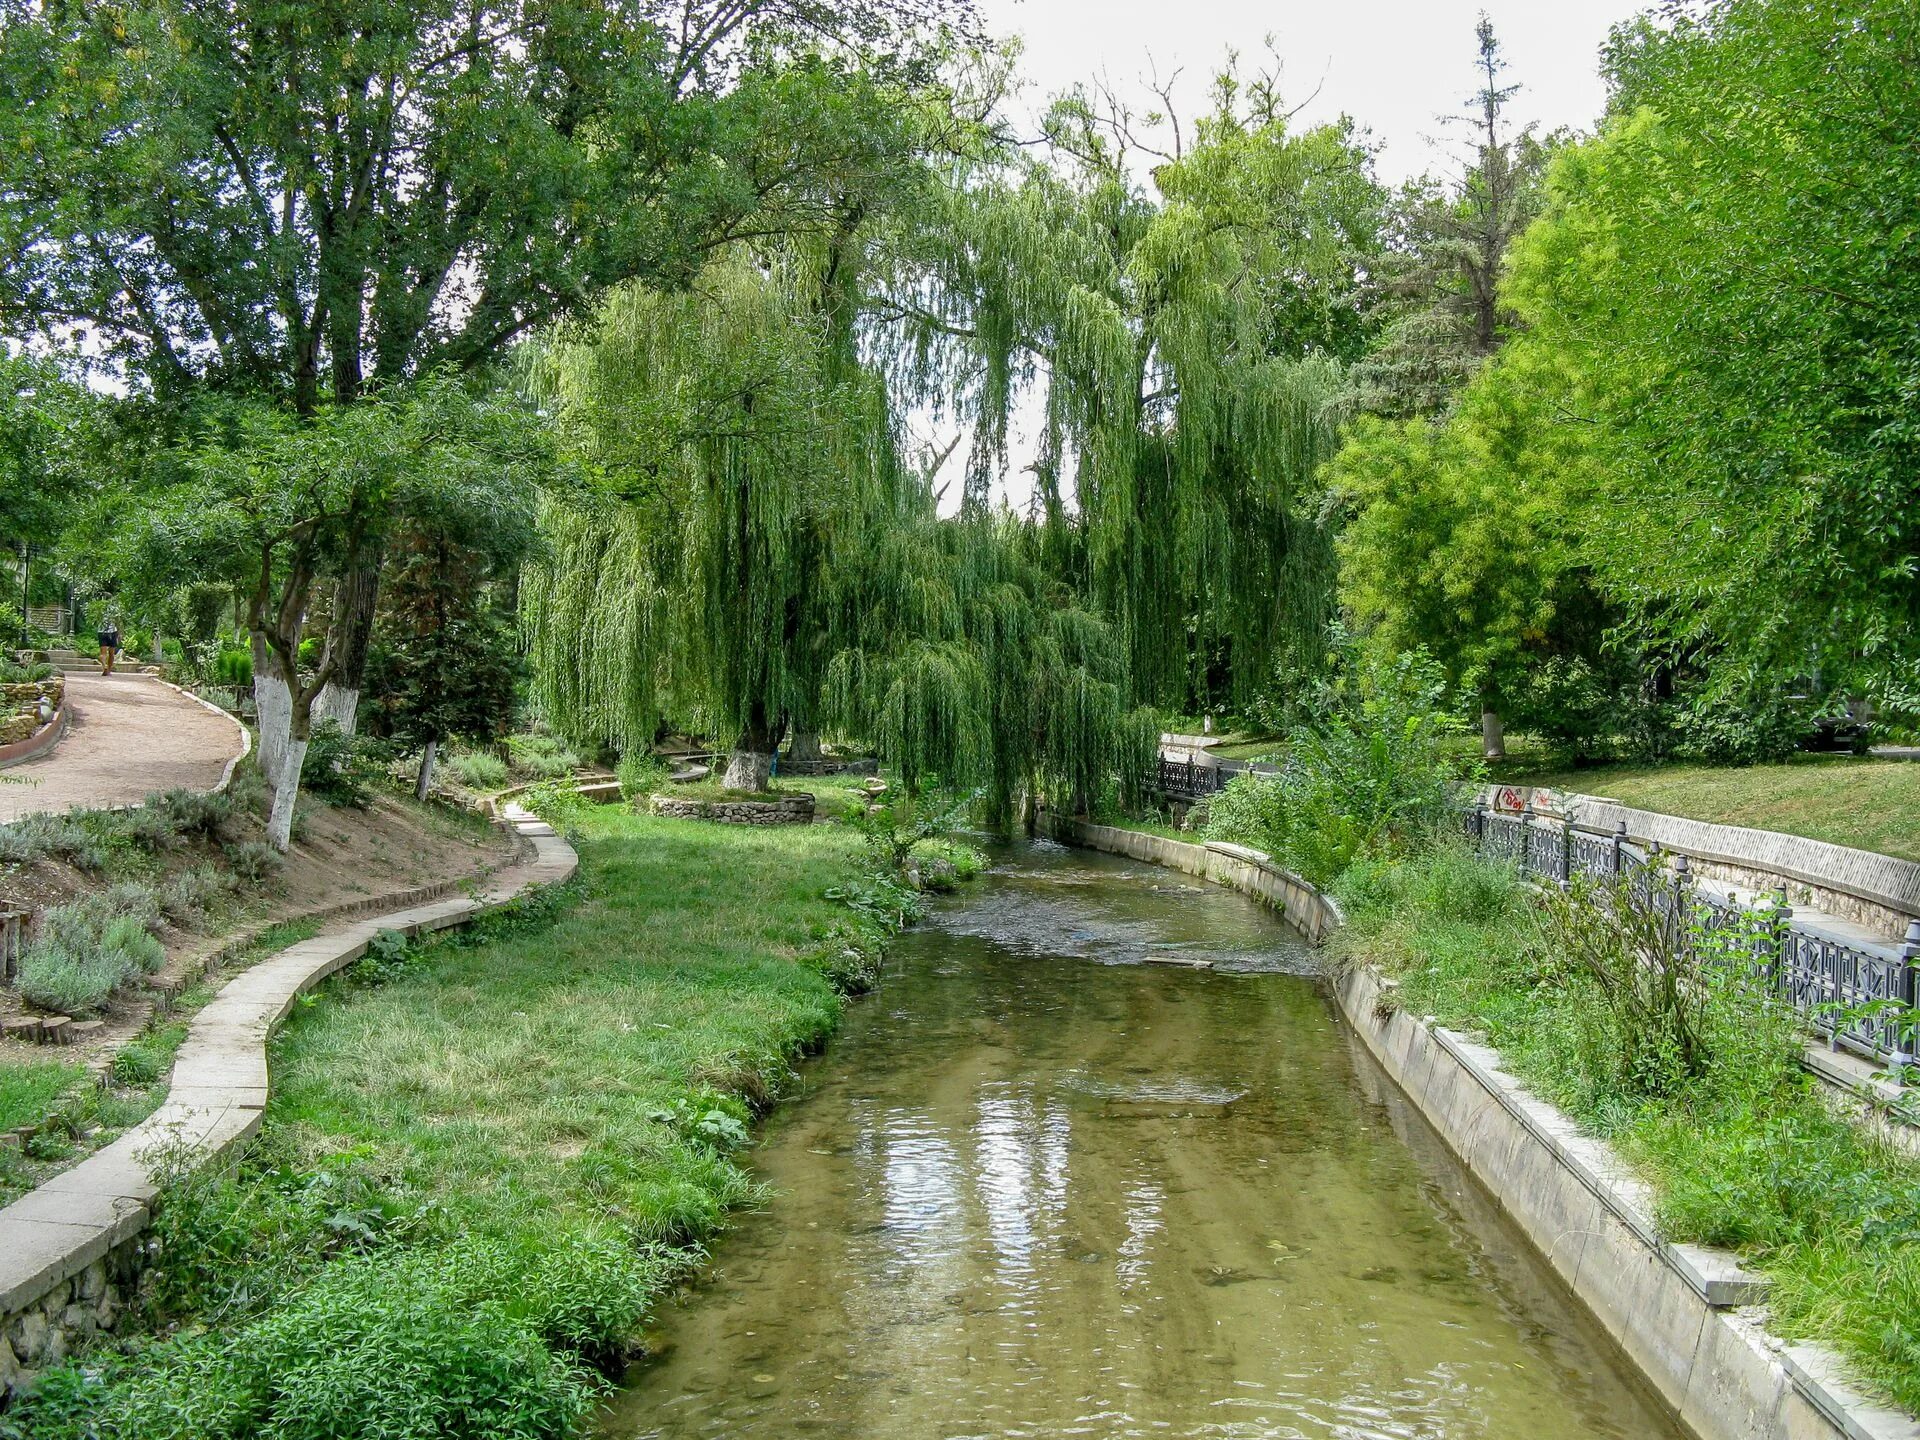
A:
(1097, 1158)
(1690, 1319)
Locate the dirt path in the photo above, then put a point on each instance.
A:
(127, 736)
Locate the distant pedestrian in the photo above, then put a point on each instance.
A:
(109, 645)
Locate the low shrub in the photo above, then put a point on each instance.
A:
(479, 770)
(537, 756)
(640, 774)
(189, 897)
(87, 950)
(343, 769)
(192, 814)
(254, 861)
(1369, 777)
(52, 837)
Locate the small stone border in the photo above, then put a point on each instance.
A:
(793, 809)
(43, 739)
(1686, 1316)
(55, 1242)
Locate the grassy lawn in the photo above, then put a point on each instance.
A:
(1847, 800)
(29, 1089)
(486, 1158)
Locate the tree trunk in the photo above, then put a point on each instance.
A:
(355, 599)
(751, 764)
(273, 700)
(286, 793)
(1493, 740)
(423, 786)
(805, 745)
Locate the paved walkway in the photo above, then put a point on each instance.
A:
(127, 736)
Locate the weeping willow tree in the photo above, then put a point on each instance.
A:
(1187, 350)
(736, 459)
(964, 663)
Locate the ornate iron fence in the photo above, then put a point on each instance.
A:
(1862, 998)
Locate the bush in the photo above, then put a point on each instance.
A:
(343, 769)
(52, 837)
(480, 1337)
(540, 757)
(190, 896)
(1369, 778)
(479, 771)
(254, 860)
(193, 814)
(233, 666)
(640, 774)
(87, 950)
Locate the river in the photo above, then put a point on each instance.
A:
(1055, 1179)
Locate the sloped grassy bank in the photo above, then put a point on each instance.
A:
(1743, 1149)
(485, 1159)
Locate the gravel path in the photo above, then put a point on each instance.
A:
(127, 736)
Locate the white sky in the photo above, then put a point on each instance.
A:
(1396, 66)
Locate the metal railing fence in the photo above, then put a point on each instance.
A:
(1866, 1000)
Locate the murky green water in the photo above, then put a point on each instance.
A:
(1041, 1187)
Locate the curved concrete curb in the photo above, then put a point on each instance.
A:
(246, 735)
(1683, 1314)
(219, 1086)
(38, 743)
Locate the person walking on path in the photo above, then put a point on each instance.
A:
(109, 644)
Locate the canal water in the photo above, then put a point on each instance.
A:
(1055, 1180)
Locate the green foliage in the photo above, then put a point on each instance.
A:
(253, 861)
(640, 773)
(538, 755)
(479, 770)
(1702, 1090)
(1370, 778)
(85, 951)
(451, 1214)
(55, 837)
(895, 822)
(344, 769)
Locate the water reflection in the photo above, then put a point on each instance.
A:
(1047, 1185)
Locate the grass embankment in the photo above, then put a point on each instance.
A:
(1843, 799)
(485, 1159)
(1749, 1154)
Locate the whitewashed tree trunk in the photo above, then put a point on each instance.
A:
(286, 791)
(748, 770)
(423, 786)
(340, 704)
(273, 700)
(1493, 739)
(805, 745)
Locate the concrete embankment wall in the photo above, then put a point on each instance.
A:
(1690, 1319)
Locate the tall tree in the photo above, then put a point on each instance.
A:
(270, 504)
(1439, 280)
(1189, 351)
(300, 201)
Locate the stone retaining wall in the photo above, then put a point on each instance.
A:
(1689, 1318)
(70, 1250)
(787, 810)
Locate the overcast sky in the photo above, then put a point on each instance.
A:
(1396, 66)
